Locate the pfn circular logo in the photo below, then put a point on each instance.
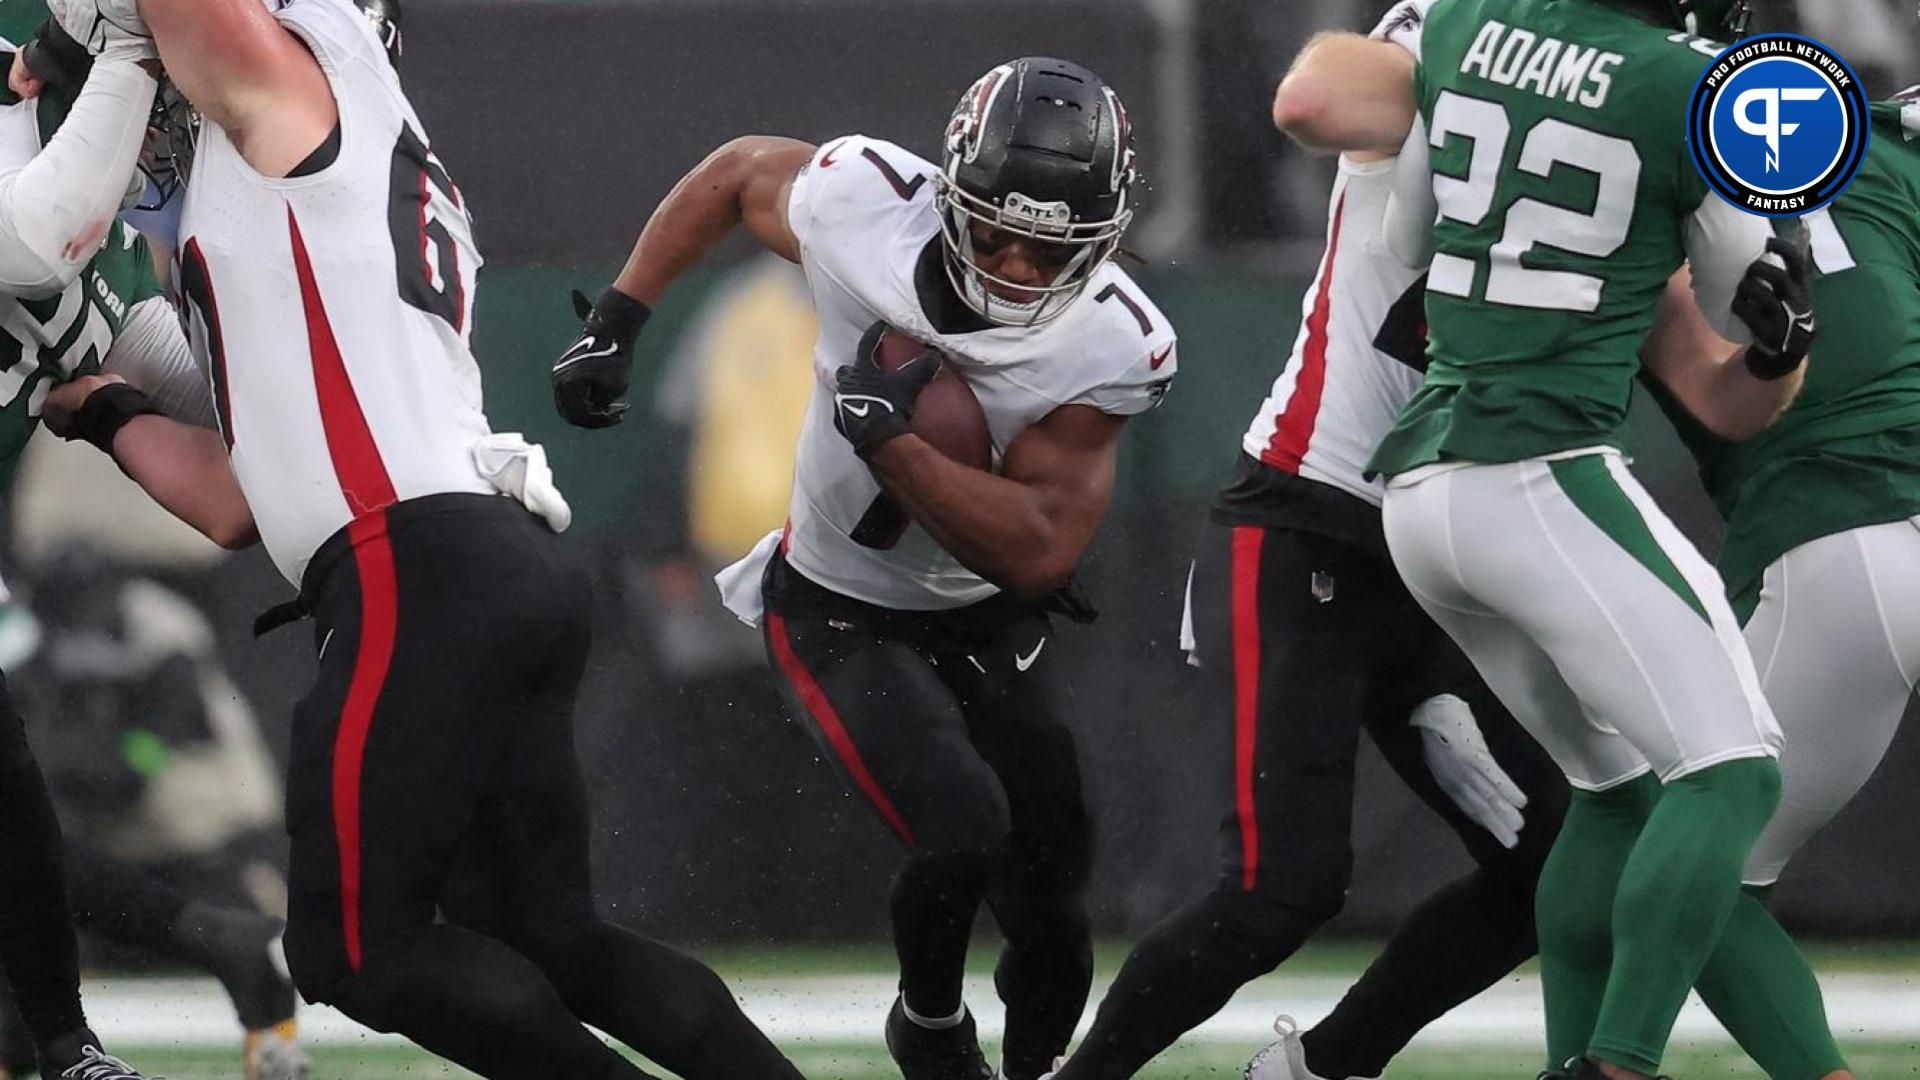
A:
(1778, 125)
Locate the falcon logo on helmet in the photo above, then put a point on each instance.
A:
(1042, 149)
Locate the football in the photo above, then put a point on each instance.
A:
(946, 414)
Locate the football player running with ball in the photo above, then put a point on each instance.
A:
(905, 608)
(1296, 609)
(1511, 513)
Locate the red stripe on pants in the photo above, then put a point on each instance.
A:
(368, 491)
(1246, 692)
(379, 617)
(824, 714)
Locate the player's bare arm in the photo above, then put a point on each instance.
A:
(1025, 529)
(1348, 93)
(1707, 373)
(747, 181)
(184, 468)
(248, 74)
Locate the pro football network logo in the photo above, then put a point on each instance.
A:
(1778, 125)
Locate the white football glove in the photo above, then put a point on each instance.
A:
(1458, 757)
(110, 29)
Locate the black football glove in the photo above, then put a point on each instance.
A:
(1777, 305)
(590, 378)
(871, 405)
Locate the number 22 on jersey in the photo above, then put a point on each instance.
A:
(1598, 231)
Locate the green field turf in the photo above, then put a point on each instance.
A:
(869, 1062)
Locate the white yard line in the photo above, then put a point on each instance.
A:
(850, 1008)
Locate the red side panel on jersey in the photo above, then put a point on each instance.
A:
(356, 456)
(821, 709)
(1294, 429)
(368, 491)
(1247, 541)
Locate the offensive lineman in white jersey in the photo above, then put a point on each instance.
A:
(916, 654)
(1297, 612)
(328, 263)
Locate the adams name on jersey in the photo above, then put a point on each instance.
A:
(869, 231)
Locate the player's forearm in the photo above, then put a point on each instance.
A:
(998, 528)
(1347, 92)
(186, 470)
(1747, 405)
(57, 208)
(738, 183)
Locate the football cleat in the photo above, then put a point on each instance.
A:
(1583, 1068)
(925, 1053)
(86, 1061)
(1285, 1059)
(275, 1053)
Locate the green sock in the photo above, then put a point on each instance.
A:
(1674, 900)
(1762, 990)
(1573, 908)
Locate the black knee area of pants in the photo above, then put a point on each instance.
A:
(1269, 924)
(313, 965)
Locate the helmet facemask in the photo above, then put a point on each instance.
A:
(1091, 244)
(167, 157)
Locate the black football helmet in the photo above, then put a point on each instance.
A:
(1040, 148)
(1721, 20)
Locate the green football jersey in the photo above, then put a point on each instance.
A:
(1564, 184)
(1847, 452)
(48, 341)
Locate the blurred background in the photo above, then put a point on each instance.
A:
(565, 121)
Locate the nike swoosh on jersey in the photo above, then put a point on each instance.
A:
(826, 159)
(1154, 361)
(1025, 662)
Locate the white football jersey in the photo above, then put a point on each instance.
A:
(864, 212)
(1338, 395)
(335, 309)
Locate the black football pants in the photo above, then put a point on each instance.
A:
(948, 726)
(433, 767)
(1312, 640)
(37, 948)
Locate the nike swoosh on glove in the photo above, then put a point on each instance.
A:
(1775, 300)
(590, 379)
(872, 405)
(1465, 769)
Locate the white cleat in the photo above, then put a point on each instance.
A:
(1058, 1064)
(1287, 1058)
